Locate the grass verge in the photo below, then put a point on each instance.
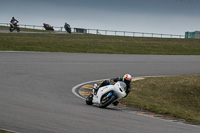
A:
(87, 43)
(23, 29)
(3, 131)
(176, 96)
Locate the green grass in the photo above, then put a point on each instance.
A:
(177, 96)
(87, 43)
(23, 29)
(3, 131)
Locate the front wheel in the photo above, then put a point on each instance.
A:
(18, 29)
(105, 100)
(69, 31)
(89, 99)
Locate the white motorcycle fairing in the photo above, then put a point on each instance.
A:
(118, 90)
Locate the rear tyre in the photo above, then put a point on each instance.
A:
(105, 101)
(10, 29)
(89, 99)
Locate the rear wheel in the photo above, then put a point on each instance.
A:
(89, 99)
(107, 100)
(10, 29)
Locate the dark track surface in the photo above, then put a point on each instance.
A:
(36, 96)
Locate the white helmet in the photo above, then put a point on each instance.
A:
(127, 78)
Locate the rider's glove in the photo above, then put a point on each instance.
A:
(112, 82)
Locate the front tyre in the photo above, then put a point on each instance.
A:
(69, 31)
(18, 29)
(105, 101)
(89, 99)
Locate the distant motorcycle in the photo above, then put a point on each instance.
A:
(107, 95)
(14, 26)
(48, 27)
(68, 28)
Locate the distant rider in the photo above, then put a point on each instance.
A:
(126, 79)
(66, 26)
(46, 25)
(13, 20)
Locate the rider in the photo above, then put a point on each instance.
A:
(126, 79)
(66, 25)
(46, 25)
(13, 20)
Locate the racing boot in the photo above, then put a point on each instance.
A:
(115, 103)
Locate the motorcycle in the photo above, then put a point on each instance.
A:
(14, 26)
(107, 95)
(68, 28)
(48, 27)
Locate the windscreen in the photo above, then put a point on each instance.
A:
(123, 85)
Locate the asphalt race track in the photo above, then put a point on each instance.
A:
(36, 92)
